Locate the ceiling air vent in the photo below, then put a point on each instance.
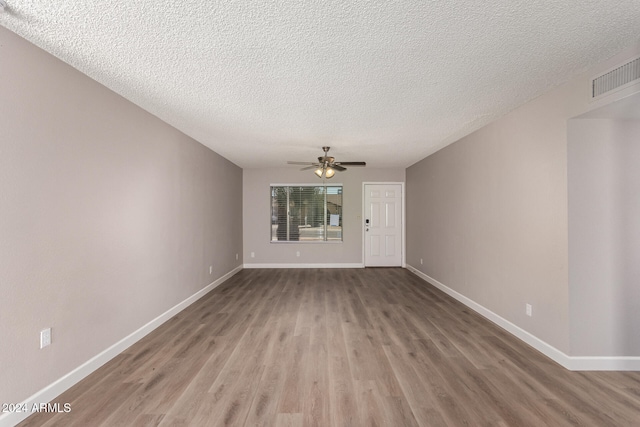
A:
(616, 78)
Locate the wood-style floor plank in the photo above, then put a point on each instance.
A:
(339, 347)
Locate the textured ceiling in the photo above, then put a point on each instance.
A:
(388, 82)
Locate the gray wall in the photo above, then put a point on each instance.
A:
(488, 215)
(604, 236)
(257, 208)
(108, 217)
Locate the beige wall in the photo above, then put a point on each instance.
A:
(604, 236)
(108, 217)
(488, 214)
(257, 208)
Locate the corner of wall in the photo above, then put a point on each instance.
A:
(62, 384)
(570, 363)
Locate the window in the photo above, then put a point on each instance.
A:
(304, 213)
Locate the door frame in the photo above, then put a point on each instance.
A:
(403, 215)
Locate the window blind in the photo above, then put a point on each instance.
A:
(306, 213)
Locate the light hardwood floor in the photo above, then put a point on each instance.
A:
(352, 347)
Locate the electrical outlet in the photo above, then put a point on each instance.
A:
(236, 257)
(529, 310)
(211, 269)
(253, 254)
(45, 337)
(297, 253)
(420, 261)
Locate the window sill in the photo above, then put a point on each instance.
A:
(307, 242)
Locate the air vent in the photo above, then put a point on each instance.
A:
(616, 78)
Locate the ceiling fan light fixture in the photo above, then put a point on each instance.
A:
(329, 173)
(326, 166)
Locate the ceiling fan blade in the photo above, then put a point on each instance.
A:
(327, 161)
(352, 163)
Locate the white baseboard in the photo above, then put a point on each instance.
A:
(301, 265)
(569, 362)
(53, 390)
(603, 363)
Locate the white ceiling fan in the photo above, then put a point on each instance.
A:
(326, 166)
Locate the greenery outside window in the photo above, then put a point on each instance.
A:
(306, 213)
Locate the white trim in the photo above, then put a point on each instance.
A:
(572, 363)
(603, 363)
(403, 245)
(62, 384)
(404, 227)
(303, 265)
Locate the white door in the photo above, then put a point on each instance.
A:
(383, 225)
